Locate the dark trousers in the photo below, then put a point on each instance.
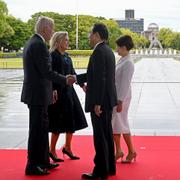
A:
(38, 141)
(104, 159)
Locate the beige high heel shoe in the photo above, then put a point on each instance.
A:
(119, 155)
(130, 157)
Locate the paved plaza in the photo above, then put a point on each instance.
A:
(154, 110)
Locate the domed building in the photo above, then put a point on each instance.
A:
(152, 31)
(151, 34)
(153, 27)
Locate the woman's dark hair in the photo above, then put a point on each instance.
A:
(126, 41)
(101, 29)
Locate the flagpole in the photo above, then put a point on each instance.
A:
(77, 31)
(77, 24)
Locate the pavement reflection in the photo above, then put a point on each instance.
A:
(154, 110)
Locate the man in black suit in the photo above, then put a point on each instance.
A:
(37, 94)
(100, 99)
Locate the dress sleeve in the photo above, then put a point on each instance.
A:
(123, 80)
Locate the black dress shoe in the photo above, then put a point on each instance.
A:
(36, 171)
(89, 176)
(50, 166)
(54, 158)
(92, 176)
(112, 173)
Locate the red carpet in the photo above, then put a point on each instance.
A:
(158, 159)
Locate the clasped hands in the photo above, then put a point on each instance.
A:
(70, 79)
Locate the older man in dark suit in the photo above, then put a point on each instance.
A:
(37, 94)
(100, 99)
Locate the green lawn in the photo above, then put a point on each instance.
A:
(14, 63)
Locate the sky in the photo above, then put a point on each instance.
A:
(165, 14)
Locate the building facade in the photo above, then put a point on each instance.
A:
(135, 25)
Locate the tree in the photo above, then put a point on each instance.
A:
(4, 40)
(3, 13)
(114, 31)
(5, 29)
(139, 40)
(62, 23)
(85, 23)
(175, 44)
(165, 36)
(21, 34)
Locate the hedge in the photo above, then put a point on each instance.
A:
(79, 52)
(10, 54)
(70, 52)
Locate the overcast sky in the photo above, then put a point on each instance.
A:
(165, 14)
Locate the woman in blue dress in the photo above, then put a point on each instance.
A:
(66, 114)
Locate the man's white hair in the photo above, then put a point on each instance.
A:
(42, 23)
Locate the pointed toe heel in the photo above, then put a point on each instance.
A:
(54, 158)
(70, 155)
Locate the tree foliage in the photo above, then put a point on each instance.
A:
(139, 40)
(169, 39)
(114, 31)
(21, 34)
(14, 32)
(4, 27)
(85, 23)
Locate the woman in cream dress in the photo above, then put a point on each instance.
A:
(124, 73)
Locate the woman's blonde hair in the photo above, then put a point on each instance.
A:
(56, 39)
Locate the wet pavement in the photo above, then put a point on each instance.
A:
(154, 110)
(155, 107)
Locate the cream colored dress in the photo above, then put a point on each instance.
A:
(123, 77)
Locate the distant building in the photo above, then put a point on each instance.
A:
(129, 14)
(152, 31)
(151, 34)
(135, 25)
